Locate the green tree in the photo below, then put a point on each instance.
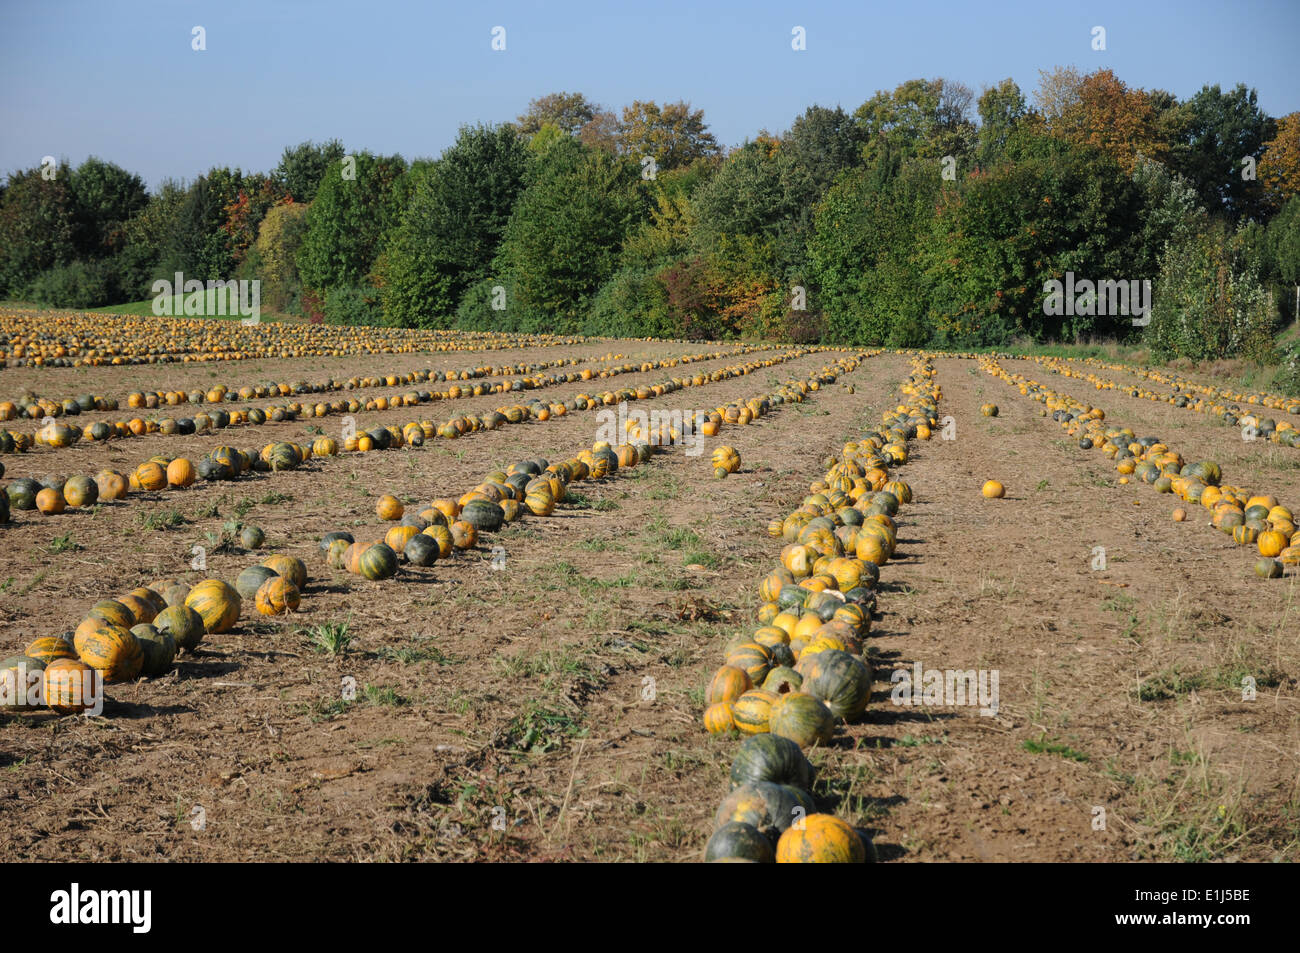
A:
(926, 118)
(356, 205)
(1221, 129)
(107, 196)
(1209, 301)
(302, 167)
(1001, 109)
(867, 252)
(38, 227)
(196, 243)
(453, 225)
(563, 238)
(824, 142)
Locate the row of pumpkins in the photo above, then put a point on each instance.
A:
(53, 494)
(1185, 390)
(1283, 433)
(536, 487)
(786, 687)
(55, 434)
(1255, 519)
(70, 339)
(139, 634)
(34, 407)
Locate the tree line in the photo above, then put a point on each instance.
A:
(925, 217)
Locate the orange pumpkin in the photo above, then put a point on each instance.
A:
(180, 473)
(389, 508)
(820, 839)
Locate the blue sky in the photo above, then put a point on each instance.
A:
(119, 79)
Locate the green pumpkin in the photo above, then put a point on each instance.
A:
(159, 650)
(768, 757)
(802, 718)
(421, 550)
(378, 562)
(737, 840)
(770, 807)
(841, 680)
(183, 624)
(250, 580)
(483, 515)
(330, 537)
(22, 493)
(251, 537)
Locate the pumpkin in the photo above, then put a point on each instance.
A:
(158, 650)
(989, 410)
(769, 807)
(50, 502)
(150, 476)
(839, 679)
(250, 580)
(463, 534)
(80, 491)
(338, 551)
(752, 710)
(20, 683)
(389, 508)
(1271, 543)
(993, 490)
(727, 685)
(442, 536)
(768, 757)
(377, 562)
(754, 659)
(174, 595)
(50, 647)
(737, 840)
(329, 538)
(1268, 568)
(802, 718)
(782, 680)
(111, 650)
(421, 550)
(291, 567)
(217, 603)
(276, 596)
(252, 537)
(820, 839)
(71, 686)
(142, 610)
(181, 473)
(484, 516)
(110, 610)
(718, 718)
(399, 536)
(183, 624)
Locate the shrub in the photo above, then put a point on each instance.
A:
(353, 306)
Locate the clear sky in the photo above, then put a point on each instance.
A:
(119, 79)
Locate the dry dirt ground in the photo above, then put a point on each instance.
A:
(550, 709)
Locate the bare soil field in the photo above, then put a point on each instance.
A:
(540, 696)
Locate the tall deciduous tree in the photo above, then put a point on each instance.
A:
(1224, 132)
(568, 112)
(927, 118)
(563, 239)
(1279, 169)
(107, 197)
(1001, 109)
(302, 167)
(452, 226)
(358, 202)
(674, 134)
(38, 227)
